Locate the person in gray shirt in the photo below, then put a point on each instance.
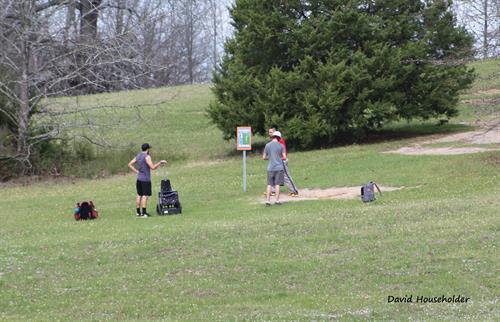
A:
(274, 152)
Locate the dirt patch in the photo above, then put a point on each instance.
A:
(329, 193)
(419, 150)
(482, 101)
(490, 91)
(488, 134)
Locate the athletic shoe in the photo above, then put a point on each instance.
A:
(268, 203)
(138, 215)
(294, 194)
(278, 203)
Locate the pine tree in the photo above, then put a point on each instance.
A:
(329, 70)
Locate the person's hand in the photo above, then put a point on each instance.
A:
(163, 161)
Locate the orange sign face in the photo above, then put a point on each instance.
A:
(243, 138)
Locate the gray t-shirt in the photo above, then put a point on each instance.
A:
(144, 171)
(274, 150)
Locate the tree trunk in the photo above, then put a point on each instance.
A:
(129, 17)
(70, 21)
(24, 110)
(215, 26)
(485, 29)
(119, 16)
(190, 41)
(89, 10)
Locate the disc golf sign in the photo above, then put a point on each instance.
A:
(244, 143)
(243, 138)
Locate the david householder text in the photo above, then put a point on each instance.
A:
(428, 299)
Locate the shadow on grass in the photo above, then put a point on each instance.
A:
(392, 132)
(408, 131)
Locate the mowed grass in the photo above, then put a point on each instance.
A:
(488, 76)
(228, 257)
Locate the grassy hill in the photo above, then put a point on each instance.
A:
(172, 120)
(227, 257)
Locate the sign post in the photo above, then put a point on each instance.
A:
(244, 143)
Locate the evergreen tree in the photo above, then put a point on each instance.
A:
(327, 70)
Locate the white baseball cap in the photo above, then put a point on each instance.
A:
(277, 133)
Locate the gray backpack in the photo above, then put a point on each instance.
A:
(368, 191)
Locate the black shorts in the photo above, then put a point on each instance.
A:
(143, 188)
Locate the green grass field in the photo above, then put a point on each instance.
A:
(228, 257)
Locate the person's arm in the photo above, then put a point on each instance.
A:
(283, 143)
(154, 166)
(264, 155)
(283, 153)
(131, 165)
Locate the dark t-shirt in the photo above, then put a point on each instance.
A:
(144, 170)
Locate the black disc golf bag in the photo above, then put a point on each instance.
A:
(166, 186)
(168, 200)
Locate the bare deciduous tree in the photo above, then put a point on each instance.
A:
(40, 61)
(52, 48)
(482, 18)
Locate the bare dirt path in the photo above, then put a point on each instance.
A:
(328, 193)
(488, 134)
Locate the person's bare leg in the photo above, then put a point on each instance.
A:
(138, 201)
(277, 189)
(144, 202)
(268, 193)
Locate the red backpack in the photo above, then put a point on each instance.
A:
(85, 210)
